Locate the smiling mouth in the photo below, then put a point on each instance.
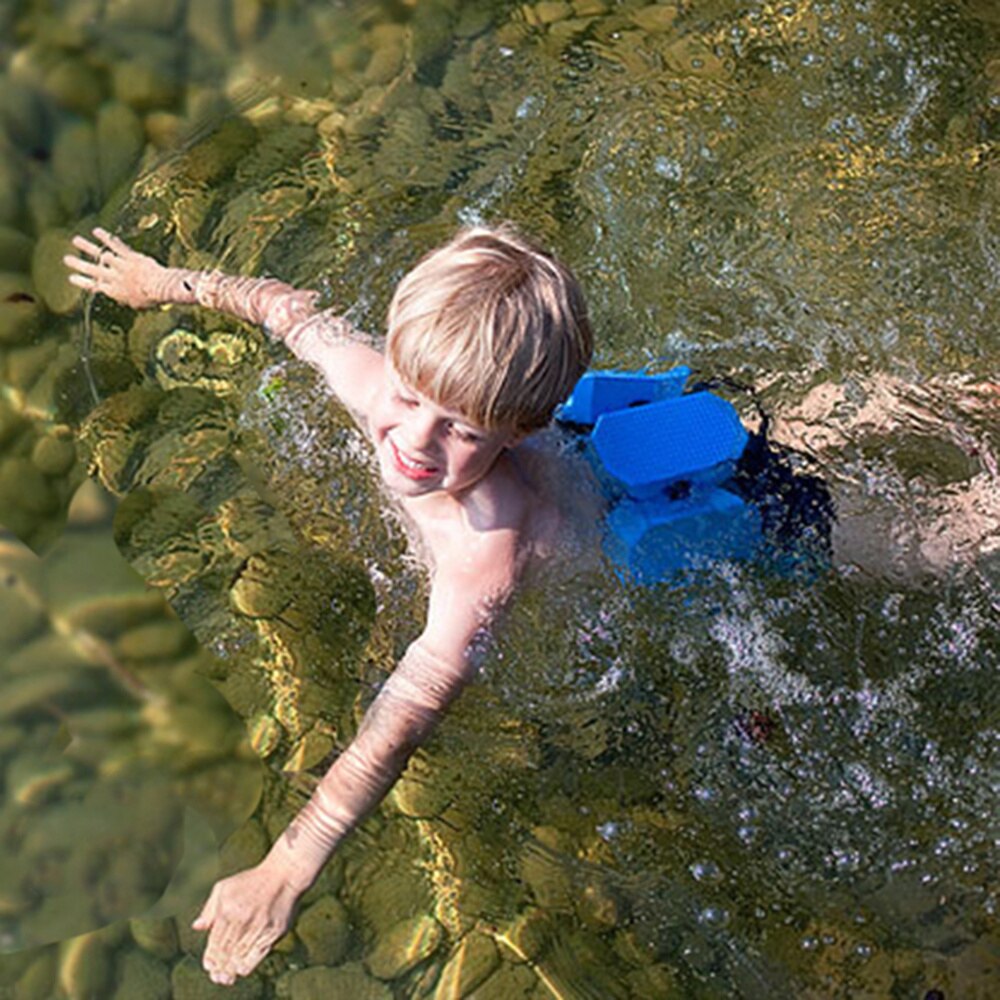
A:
(410, 467)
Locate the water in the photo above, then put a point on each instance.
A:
(748, 784)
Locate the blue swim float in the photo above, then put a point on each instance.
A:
(667, 459)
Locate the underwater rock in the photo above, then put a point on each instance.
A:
(159, 640)
(418, 793)
(474, 18)
(204, 729)
(325, 930)
(39, 979)
(312, 749)
(20, 619)
(209, 24)
(91, 506)
(256, 593)
(144, 85)
(121, 139)
(589, 8)
(244, 848)
(60, 915)
(189, 981)
(161, 16)
(652, 983)
(655, 17)
(248, 19)
(74, 84)
(185, 358)
(25, 365)
(264, 730)
(111, 616)
(460, 83)
(430, 34)
(404, 946)
(148, 328)
(11, 422)
(13, 966)
(141, 977)
(11, 193)
(544, 868)
(15, 249)
(215, 157)
(53, 456)
(392, 893)
(24, 117)
(85, 967)
(508, 983)
(23, 486)
(527, 936)
(19, 308)
(75, 168)
(163, 129)
(472, 962)
(597, 907)
(110, 722)
(388, 41)
(322, 983)
(547, 12)
(45, 203)
(156, 936)
(31, 780)
(50, 275)
(581, 962)
(11, 737)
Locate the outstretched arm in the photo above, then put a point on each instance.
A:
(328, 342)
(135, 279)
(246, 913)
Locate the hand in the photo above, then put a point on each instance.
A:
(245, 914)
(117, 270)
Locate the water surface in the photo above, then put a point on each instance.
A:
(749, 783)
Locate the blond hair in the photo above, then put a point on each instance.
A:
(492, 326)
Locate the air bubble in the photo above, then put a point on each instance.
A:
(713, 916)
(706, 871)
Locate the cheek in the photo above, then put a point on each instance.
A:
(386, 415)
(478, 459)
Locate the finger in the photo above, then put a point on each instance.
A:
(82, 282)
(82, 243)
(223, 943)
(248, 962)
(89, 267)
(111, 241)
(253, 945)
(206, 918)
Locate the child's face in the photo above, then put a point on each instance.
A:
(423, 447)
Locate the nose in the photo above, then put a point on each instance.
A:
(420, 430)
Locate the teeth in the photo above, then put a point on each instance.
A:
(411, 463)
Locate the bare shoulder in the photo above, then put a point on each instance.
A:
(567, 503)
(347, 358)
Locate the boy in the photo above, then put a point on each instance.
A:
(485, 337)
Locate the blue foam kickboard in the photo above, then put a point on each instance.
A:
(656, 539)
(648, 446)
(600, 392)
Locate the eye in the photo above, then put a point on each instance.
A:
(466, 435)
